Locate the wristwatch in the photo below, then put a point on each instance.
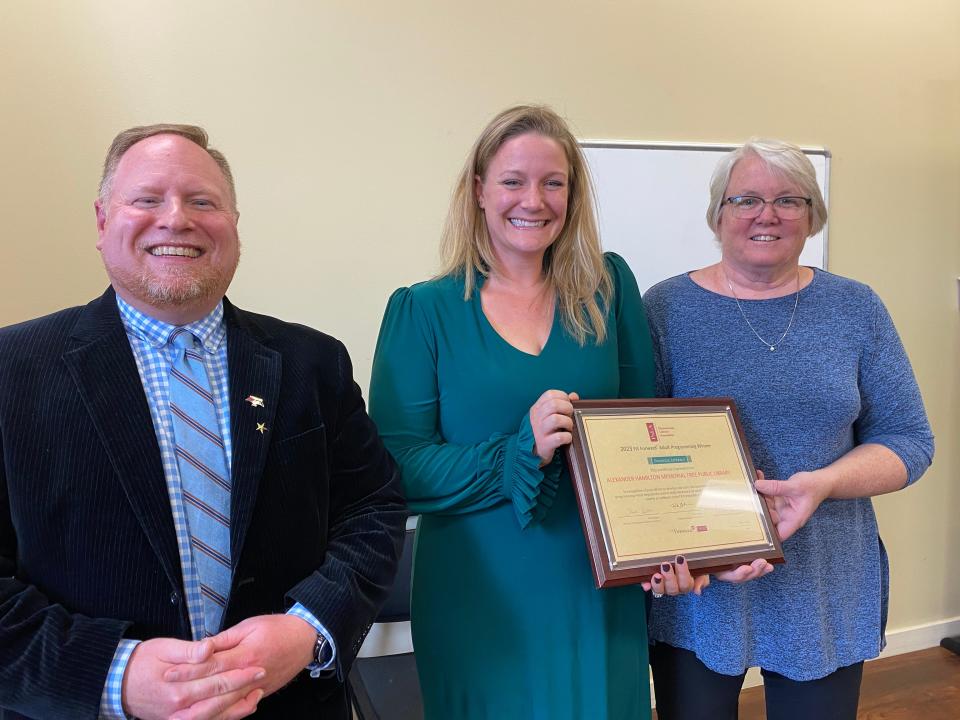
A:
(319, 650)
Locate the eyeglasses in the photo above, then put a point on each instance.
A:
(747, 207)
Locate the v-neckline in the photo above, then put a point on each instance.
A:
(478, 304)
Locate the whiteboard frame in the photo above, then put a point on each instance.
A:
(718, 148)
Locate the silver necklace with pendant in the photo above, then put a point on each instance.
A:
(796, 302)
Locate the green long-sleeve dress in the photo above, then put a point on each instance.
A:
(507, 622)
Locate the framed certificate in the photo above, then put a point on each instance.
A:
(659, 478)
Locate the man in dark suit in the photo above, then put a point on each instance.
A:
(110, 597)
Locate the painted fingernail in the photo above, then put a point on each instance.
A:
(681, 559)
(656, 579)
(665, 567)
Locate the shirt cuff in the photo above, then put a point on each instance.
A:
(329, 654)
(111, 701)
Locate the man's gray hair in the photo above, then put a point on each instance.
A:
(130, 137)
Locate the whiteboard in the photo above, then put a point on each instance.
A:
(652, 202)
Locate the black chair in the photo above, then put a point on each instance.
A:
(387, 687)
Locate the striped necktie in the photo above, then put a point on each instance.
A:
(203, 475)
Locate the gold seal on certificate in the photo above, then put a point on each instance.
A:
(659, 478)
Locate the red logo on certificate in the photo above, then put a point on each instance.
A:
(652, 430)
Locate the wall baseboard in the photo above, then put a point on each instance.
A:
(919, 637)
(393, 638)
(900, 641)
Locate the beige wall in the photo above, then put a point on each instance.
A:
(346, 122)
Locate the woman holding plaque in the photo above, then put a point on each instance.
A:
(833, 416)
(471, 388)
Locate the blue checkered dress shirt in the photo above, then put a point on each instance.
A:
(154, 356)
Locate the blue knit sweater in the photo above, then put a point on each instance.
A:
(840, 378)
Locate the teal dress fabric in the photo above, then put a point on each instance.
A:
(507, 622)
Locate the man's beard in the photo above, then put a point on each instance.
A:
(176, 288)
(181, 288)
(172, 292)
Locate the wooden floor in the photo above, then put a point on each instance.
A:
(923, 685)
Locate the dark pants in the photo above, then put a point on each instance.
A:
(687, 689)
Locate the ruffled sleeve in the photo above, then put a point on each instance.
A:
(529, 487)
(440, 476)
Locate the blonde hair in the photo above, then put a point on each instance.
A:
(573, 264)
(780, 157)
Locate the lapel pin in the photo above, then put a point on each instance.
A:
(254, 401)
(261, 428)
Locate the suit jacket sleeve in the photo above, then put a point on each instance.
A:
(366, 523)
(52, 662)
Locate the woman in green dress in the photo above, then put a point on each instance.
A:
(472, 382)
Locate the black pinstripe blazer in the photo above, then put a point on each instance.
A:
(88, 552)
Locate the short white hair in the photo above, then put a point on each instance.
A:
(780, 157)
